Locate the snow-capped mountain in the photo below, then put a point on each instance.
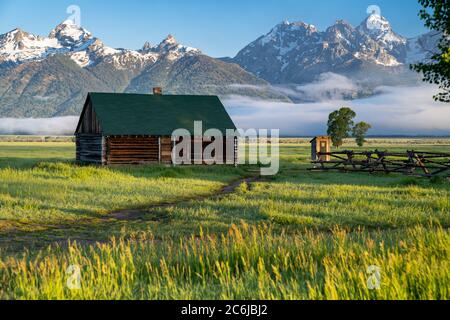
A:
(271, 55)
(18, 46)
(298, 52)
(49, 76)
(71, 36)
(83, 48)
(380, 30)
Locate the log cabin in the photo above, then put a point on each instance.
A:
(122, 129)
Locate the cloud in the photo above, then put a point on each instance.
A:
(328, 86)
(249, 86)
(393, 111)
(47, 126)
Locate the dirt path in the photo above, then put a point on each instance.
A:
(17, 240)
(136, 214)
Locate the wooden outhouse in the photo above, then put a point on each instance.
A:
(137, 128)
(319, 145)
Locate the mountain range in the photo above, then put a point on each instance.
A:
(50, 76)
(297, 52)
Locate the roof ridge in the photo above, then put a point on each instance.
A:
(153, 95)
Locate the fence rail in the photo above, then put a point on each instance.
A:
(410, 162)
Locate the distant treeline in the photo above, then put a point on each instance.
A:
(17, 138)
(283, 140)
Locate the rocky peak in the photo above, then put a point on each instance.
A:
(295, 27)
(69, 34)
(170, 39)
(376, 24)
(15, 35)
(288, 34)
(69, 39)
(341, 30)
(17, 46)
(146, 47)
(380, 29)
(19, 34)
(167, 44)
(171, 49)
(343, 24)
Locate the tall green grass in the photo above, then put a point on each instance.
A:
(248, 262)
(40, 183)
(298, 235)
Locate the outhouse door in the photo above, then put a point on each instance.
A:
(323, 149)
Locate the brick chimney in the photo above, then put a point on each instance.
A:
(157, 91)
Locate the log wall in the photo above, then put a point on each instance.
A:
(90, 148)
(117, 150)
(166, 150)
(132, 150)
(197, 158)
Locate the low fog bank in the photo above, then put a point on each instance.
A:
(392, 111)
(45, 126)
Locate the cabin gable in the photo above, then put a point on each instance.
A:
(89, 123)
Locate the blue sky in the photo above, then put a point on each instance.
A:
(217, 27)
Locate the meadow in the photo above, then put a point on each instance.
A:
(297, 235)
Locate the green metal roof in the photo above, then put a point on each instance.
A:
(145, 114)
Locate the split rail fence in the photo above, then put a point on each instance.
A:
(427, 164)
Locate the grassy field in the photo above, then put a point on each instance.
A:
(298, 235)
